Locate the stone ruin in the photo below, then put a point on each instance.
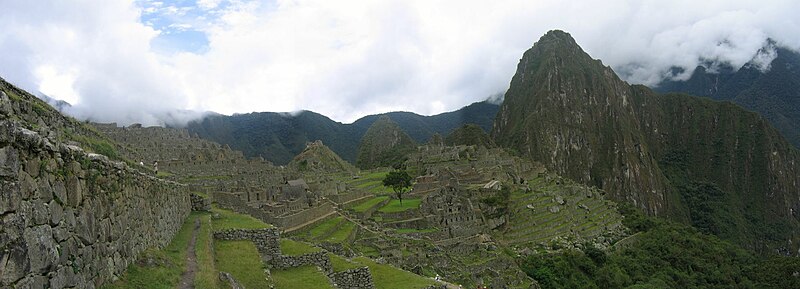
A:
(274, 194)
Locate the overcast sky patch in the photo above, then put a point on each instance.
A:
(140, 61)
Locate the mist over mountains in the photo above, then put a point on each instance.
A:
(771, 89)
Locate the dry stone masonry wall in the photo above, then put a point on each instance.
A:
(267, 242)
(358, 278)
(73, 219)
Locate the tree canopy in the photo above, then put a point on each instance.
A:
(399, 181)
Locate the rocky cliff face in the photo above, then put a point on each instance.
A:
(663, 153)
(384, 144)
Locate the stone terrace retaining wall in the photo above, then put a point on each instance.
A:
(234, 203)
(304, 216)
(319, 259)
(199, 203)
(358, 278)
(267, 241)
(343, 198)
(73, 219)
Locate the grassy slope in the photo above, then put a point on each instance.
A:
(395, 206)
(241, 259)
(388, 277)
(300, 278)
(206, 276)
(369, 204)
(230, 220)
(294, 248)
(342, 233)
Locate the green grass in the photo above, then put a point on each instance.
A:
(294, 248)
(369, 204)
(206, 276)
(388, 277)
(394, 206)
(172, 259)
(202, 178)
(428, 230)
(341, 264)
(342, 233)
(324, 227)
(379, 175)
(230, 220)
(163, 174)
(370, 183)
(241, 259)
(299, 278)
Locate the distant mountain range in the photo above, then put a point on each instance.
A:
(773, 93)
(278, 137)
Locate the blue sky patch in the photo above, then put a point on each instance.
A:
(181, 23)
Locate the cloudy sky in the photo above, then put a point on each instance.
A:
(140, 61)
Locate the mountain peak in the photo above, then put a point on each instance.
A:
(557, 43)
(557, 37)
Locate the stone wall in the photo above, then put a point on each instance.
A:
(267, 241)
(73, 219)
(319, 259)
(200, 203)
(343, 198)
(227, 278)
(304, 216)
(234, 203)
(358, 278)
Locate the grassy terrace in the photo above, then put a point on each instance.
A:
(294, 248)
(341, 264)
(389, 277)
(233, 220)
(369, 204)
(428, 230)
(342, 233)
(206, 275)
(299, 278)
(372, 182)
(395, 206)
(241, 259)
(323, 228)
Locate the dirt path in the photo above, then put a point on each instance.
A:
(187, 279)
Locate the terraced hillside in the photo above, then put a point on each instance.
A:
(242, 260)
(556, 208)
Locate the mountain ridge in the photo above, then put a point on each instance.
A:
(658, 152)
(774, 93)
(278, 137)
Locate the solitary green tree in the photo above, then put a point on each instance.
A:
(399, 181)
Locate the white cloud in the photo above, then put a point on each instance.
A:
(349, 58)
(52, 81)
